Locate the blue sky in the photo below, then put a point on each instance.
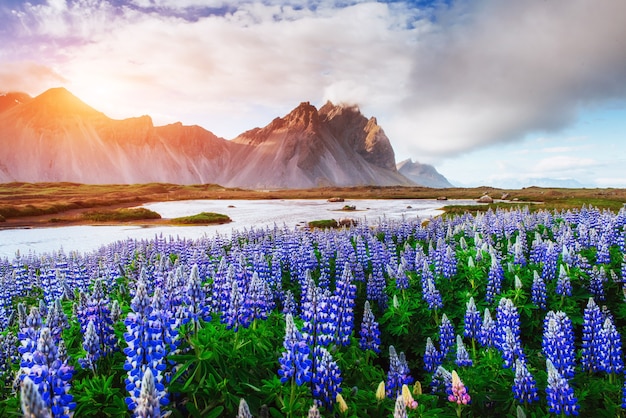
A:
(489, 92)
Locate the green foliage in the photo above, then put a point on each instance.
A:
(120, 215)
(324, 223)
(203, 218)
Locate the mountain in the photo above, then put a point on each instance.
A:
(423, 174)
(57, 137)
(309, 148)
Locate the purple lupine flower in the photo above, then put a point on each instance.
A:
(398, 374)
(494, 279)
(538, 295)
(472, 322)
(295, 362)
(232, 316)
(524, 385)
(592, 326)
(195, 298)
(8, 354)
(446, 336)
(289, 304)
(462, 356)
(560, 395)
(370, 333)
(96, 308)
(487, 334)
(326, 378)
(563, 283)
(432, 357)
(610, 348)
(257, 304)
(402, 280)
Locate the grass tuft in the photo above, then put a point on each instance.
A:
(203, 218)
(120, 215)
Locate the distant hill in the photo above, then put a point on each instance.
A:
(57, 137)
(423, 174)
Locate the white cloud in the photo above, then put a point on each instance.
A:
(562, 163)
(441, 81)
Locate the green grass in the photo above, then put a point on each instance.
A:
(203, 218)
(120, 215)
(324, 224)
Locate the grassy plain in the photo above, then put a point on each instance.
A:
(41, 204)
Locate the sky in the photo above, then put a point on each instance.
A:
(490, 92)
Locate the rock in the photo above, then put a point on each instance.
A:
(485, 199)
(336, 199)
(231, 206)
(349, 207)
(347, 222)
(442, 198)
(409, 207)
(505, 196)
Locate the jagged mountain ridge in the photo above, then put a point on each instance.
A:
(57, 137)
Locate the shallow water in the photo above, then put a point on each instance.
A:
(244, 213)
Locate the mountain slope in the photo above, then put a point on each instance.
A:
(423, 174)
(306, 149)
(57, 137)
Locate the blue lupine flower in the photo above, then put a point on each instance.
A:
(449, 263)
(326, 378)
(148, 402)
(524, 385)
(507, 336)
(494, 279)
(538, 291)
(596, 282)
(472, 321)
(563, 283)
(560, 396)
(398, 374)
(317, 328)
(610, 348)
(146, 348)
(51, 375)
(432, 357)
(402, 280)
(91, 345)
(462, 356)
(195, 297)
(558, 343)
(487, 335)
(370, 333)
(446, 336)
(33, 405)
(442, 380)
(295, 361)
(8, 354)
(550, 259)
(342, 305)
(430, 293)
(592, 326)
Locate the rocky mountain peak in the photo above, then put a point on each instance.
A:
(304, 115)
(423, 174)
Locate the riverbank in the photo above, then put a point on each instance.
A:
(50, 204)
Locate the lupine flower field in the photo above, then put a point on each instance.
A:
(503, 313)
